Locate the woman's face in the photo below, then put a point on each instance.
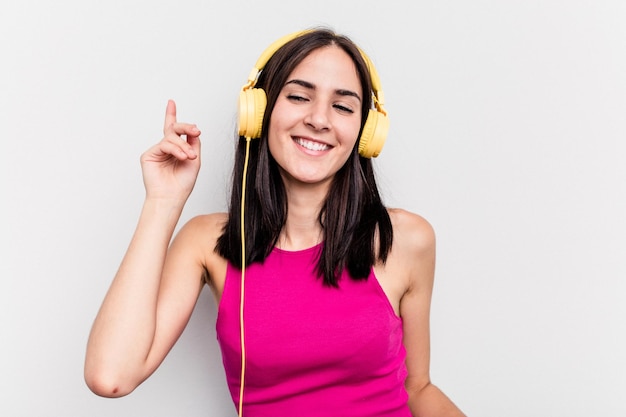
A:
(317, 117)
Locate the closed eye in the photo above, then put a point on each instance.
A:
(295, 97)
(343, 108)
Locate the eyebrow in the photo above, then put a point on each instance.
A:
(308, 85)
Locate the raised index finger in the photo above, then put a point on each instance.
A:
(170, 115)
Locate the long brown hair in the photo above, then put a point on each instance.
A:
(353, 213)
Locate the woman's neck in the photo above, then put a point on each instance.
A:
(302, 229)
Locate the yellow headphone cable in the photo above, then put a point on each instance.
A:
(243, 275)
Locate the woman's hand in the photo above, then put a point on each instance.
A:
(170, 167)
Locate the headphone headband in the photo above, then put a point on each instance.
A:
(377, 92)
(267, 54)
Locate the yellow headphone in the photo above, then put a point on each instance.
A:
(252, 103)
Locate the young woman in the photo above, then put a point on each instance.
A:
(333, 319)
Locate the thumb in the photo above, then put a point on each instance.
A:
(194, 142)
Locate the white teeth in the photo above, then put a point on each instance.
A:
(312, 146)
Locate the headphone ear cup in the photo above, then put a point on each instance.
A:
(252, 103)
(374, 134)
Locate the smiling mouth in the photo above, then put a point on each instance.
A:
(310, 145)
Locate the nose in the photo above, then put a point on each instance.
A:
(318, 117)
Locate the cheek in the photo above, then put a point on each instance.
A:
(272, 128)
(280, 119)
(275, 140)
(350, 133)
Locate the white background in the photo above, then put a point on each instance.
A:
(508, 129)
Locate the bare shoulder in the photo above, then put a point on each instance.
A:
(205, 226)
(412, 254)
(411, 232)
(198, 239)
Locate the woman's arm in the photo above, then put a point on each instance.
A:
(143, 313)
(414, 250)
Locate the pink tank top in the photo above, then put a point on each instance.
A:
(311, 350)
